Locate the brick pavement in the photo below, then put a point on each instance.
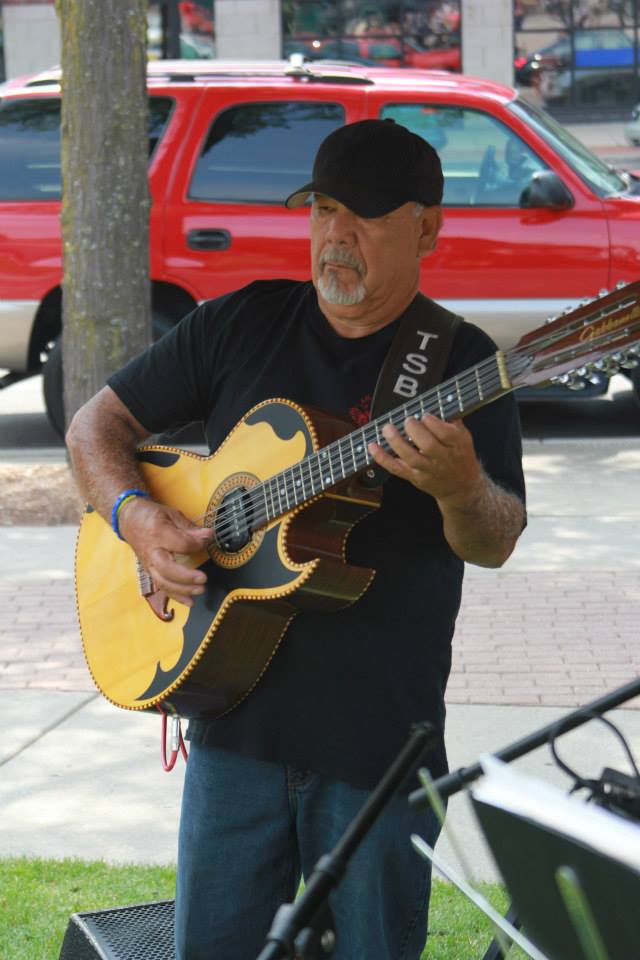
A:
(523, 638)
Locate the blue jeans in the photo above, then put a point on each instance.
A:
(250, 829)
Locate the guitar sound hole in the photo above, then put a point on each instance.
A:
(233, 525)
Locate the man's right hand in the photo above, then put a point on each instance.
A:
(156, 533)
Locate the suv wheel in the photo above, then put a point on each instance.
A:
(52, 387)
(52, 380)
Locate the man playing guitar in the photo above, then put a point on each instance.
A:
(272, 784)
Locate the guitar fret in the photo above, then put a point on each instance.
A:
(274, 512)
(440, 407)
(313, 489)
(285, 489)
(361, 450)
(479, 384)
(318, 469)
(353, 453)
(460, 403)
(326, 479)
(330, 462)
(342, 469)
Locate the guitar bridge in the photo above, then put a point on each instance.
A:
(145, 583)
(157, 599)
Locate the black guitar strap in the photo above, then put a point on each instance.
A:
(416, 361)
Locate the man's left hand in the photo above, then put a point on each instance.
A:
(439, 460)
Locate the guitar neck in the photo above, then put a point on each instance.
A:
(454, 398)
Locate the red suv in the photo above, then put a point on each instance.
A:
(533, 221)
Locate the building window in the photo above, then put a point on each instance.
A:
(579, 54)
(397, 33)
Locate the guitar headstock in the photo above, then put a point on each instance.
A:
(599, 336)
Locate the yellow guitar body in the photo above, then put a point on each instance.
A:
(201, 661)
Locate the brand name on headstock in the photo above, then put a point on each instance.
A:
(608, 325)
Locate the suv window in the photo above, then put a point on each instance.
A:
(30, 145)
(261, 152)
(485, 164)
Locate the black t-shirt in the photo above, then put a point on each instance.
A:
(344, 688)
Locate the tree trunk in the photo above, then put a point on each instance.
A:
(105, 206)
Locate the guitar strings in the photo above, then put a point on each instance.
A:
(466, 390)
(454, 394)
(464, 385)
(257, 495)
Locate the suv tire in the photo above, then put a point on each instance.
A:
(52, 379)
(52, 387)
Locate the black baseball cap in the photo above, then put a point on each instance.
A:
(374, 167)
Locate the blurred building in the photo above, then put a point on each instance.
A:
(576, 57)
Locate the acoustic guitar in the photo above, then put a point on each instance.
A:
(281, 495)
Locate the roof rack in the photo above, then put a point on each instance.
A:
(296, 67)
(299, 67)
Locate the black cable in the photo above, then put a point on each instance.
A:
(617, 792)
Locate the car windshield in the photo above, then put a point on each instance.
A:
(602, 179)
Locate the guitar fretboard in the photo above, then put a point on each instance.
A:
(255, 508)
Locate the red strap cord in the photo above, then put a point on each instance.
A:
(177, 742)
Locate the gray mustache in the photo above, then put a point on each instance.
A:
(342, 257)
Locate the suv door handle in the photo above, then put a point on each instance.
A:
(209, 239)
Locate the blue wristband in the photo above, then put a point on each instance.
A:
(125, 495)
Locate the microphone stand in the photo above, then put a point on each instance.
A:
(307, 924)
(453, 782)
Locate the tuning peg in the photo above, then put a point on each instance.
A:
(629, 362)
(608, 366)
(571, 381)
(550, 319)
(603, 292)
(620, 284)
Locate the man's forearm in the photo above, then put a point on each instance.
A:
(483, 530)
(102, 445)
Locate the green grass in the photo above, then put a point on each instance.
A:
(37, 898)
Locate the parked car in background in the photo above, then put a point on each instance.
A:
(533, 222)
(377, 51)
(632, 128)
(609, 47)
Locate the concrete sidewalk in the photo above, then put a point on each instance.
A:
(556, 628)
